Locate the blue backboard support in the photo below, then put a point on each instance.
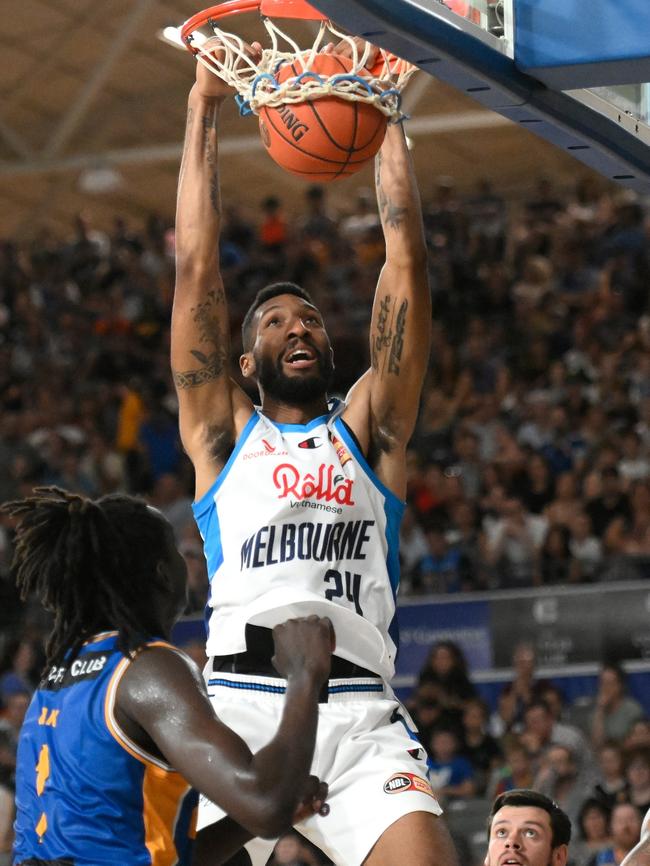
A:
(462, 54)
(583, 43)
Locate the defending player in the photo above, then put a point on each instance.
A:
(120, 706)
(304, 481)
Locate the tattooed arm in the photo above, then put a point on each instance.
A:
(383, 405)
(212, 409)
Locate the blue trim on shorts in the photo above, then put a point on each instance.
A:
(281, 690)
(249, 687)
(355, 687)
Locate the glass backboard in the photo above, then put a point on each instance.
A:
(627, 104)
(478, 46)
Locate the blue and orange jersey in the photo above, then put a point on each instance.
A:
(86, 793)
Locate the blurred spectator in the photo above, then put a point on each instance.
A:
(625, 825)
(563, 508)
(637, 775)
(513, 545)
(443, 568)
(524, 687)
(555, 563)
(446, 670)
(541, 732)
(16, 704)
(611, 503)
(464, 534)
(560, 780)
(615, 711)
(639, 735)
(585, 548)
(273, 230)
(169, 497)
(412, 548)
(451, 775)
(631, 535)
(480, 748)
(633, 465)
(593, 832)
(535, 486)
(611, 787)
(21, 667)
(517, 771)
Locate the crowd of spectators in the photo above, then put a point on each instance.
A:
(530, 464)
(592, 758)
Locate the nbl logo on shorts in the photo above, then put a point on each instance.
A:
(399, 782)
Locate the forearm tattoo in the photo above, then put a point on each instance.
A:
(392, 215)
(397, 345)
(208, 321)
(210, 150)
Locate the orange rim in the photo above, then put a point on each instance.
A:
(214, 13)
(270, 8)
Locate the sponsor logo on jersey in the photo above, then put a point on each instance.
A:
(399, 782)
(268, 451)
(324, 486)
(85, 667)
(341, 451)
(312, 442)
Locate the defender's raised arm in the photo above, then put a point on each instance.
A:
(200, 337)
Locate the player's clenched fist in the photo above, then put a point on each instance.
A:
(304, 645)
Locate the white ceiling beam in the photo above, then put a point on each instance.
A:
(70, 122)
(14, 140)
(434, 124)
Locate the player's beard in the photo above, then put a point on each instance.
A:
(295, 390)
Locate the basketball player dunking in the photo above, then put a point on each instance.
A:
(299, 503)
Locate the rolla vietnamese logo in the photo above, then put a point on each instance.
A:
(324, 486)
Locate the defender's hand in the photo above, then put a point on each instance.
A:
(304, 645)
(313, 802)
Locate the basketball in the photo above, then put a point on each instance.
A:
(322, 139)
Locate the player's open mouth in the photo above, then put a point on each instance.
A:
(301, 358)
(511, 861)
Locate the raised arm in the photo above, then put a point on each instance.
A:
(400, 332)
(212, 409)
(162, 699)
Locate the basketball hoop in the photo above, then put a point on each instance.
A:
(257, 83)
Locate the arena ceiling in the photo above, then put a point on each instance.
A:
(92, 113)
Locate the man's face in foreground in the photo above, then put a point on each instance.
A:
(522, 836)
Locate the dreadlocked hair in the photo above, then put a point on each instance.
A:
(92, 563)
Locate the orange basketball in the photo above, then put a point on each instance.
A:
(322, 139)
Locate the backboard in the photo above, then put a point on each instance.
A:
(534, 62)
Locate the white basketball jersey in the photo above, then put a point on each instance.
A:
(297, 523)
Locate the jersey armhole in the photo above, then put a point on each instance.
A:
(200, 506)
(112, 724)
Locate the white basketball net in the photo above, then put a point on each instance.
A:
(257, 84)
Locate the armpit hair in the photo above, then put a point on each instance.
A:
(220, 443)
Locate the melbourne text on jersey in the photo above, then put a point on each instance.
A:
(323, 542)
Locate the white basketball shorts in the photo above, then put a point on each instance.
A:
(366, 751)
